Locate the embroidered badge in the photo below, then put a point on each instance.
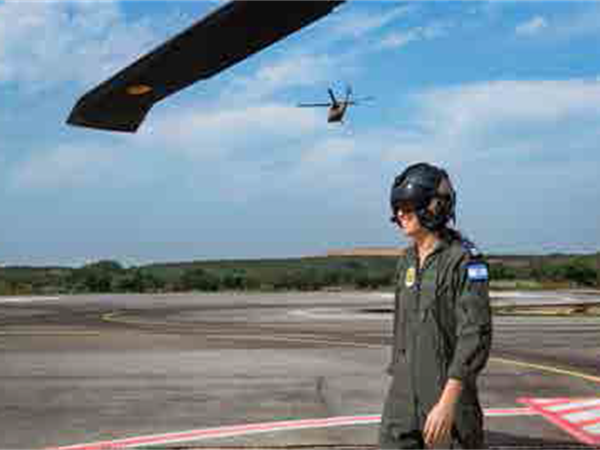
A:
(477, 272)
(411, 275)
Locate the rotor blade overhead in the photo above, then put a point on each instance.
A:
(226, 36)
(311, 105)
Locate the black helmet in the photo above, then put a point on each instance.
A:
(426, 189)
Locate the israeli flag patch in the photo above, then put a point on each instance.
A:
(477, 272)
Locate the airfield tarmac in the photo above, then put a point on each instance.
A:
(242, 370)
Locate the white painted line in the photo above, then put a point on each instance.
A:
(26, 299)
(573, 405)
(593, 429)
(335, 314)
(578, 417)
(582, 416)
(510, 412)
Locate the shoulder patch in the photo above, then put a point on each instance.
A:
(477, 272)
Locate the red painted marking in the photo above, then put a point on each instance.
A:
(237, 430)
(556, 417)
(585, 423)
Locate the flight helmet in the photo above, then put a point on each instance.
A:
(427, 190)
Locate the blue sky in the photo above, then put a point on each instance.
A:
(504, 95)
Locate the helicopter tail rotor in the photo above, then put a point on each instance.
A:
(348, 93)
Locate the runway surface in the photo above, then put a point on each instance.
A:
(265, 371)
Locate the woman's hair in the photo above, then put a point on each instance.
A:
(450, 234)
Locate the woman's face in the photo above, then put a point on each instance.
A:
(408, 220)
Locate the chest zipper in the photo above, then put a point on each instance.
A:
(419, 279)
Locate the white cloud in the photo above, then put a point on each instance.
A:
(67, 166)
(507, 144)
(583, 23)
(293, 70)
(575, 19)
(523, 155)
(399, 39)
(483, 113)
(199, 139)
(328, 162)
(525, 121)
(355, 24)
(547, 130)
(532, 27)
(43, 44)
(216, 133)
(489, 10)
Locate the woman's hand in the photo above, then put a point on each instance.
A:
(439, 424)
(441, 417)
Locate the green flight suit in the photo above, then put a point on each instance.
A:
(442, 329)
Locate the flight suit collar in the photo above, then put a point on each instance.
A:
(439, 246)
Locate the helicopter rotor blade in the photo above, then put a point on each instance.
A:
(312, 105)
(363, 99)
(229, 34)
(333, 99)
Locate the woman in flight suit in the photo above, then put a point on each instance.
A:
(442, 322)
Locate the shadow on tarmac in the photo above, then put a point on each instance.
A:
(495, 441)
(499, 440)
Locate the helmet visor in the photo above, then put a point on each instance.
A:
(405, 207)
(410, 196)
(402, 208)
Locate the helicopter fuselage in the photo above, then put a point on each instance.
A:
(336, 109)
(336, 112)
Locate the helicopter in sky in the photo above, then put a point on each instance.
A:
(337, 108)
(228, 35)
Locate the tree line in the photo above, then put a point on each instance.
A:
(304, 274)
(111, 277)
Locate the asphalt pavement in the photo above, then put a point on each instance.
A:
(289, 370)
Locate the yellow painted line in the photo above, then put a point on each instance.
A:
(300, 339)
(545, 368)
(108, 317)
(295, 339)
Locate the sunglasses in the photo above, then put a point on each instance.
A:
(402, 209)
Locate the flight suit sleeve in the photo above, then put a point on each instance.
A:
(473, 320)
(398, 315)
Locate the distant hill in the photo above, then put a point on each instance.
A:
(368, 251)
(355, 268)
